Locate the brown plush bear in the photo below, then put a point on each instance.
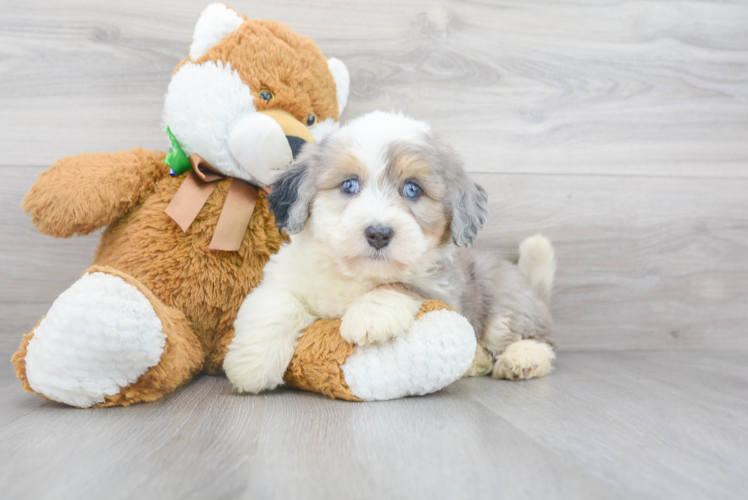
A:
(188, 234)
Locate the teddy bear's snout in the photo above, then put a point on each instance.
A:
(265, 142)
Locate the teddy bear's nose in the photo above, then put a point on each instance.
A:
(296, 143)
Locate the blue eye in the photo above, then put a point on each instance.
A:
(411, 190)
(350, 186)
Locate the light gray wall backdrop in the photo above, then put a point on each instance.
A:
(618, 129)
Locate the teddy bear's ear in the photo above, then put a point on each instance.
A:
(215, 22)
(342, 81)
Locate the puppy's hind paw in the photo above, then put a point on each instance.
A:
(524, 360)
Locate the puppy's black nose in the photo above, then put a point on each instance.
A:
(379, 236)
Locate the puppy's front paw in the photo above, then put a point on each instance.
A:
(258, 365)
(376, 321)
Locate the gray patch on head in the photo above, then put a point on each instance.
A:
(468, 201)
(465, 201)
(293, 191)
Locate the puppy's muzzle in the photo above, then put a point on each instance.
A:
(379, 236)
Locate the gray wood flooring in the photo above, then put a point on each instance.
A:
(605, 425)
(619, 129)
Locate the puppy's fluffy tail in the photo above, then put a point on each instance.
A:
(537, 261)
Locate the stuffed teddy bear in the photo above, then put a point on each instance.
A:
(188, 233)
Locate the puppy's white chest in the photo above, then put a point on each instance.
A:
(332, 300)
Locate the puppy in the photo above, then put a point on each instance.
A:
(377, 213)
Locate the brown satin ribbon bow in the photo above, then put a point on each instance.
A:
(194, 193)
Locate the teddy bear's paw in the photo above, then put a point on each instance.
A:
(99, 336)
(524, 360)
(436, 351)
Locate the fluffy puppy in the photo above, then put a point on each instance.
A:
(376, 214)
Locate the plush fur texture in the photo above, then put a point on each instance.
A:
(181, 298)
(342, 81)
(214, 92)
(100, 335)
(439, 347)
(179, 358)
(377, 289)
(268, 55)
(195, 292)
(208, 286)
(204, 287)
(233, 60)
(61, 202)
(215, 22)
(435, 352)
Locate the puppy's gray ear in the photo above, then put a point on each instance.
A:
(466, 199)
(469, 210)
(292, 193)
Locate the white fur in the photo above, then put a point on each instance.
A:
(203, 105)
(211, 111)
(267, 328)
(372, 133)
(329, 270)
(537, 261)
(410, 253)
(378, 316)
(100, 335)
(436, 351)
(215, 22)
(324, 128)
(342, 82)
(524, 360)
(259, 142)
(299, 286)
(343, 230)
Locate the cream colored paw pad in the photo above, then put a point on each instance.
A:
(524, 360)
(100, 335)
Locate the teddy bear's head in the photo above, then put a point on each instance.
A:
(251, 93)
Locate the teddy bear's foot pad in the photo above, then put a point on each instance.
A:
(100, 335)
(437, 350)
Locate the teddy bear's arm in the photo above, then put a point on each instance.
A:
(437, 350)
(80, 194)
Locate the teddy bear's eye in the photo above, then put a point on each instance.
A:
(311, 120)
(266, 95)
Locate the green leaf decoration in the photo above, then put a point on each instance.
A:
(175, 158)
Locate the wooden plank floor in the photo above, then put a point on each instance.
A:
(604, 425)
